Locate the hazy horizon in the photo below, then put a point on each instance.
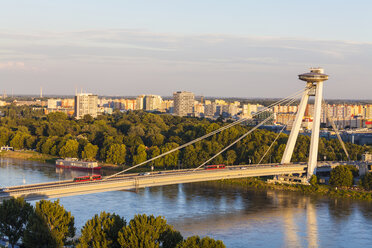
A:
(221, 49)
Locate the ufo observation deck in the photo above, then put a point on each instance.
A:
(315, 75)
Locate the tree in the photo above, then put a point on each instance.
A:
(196, 242)
(14, 214)
(231, 157)
(70, 149)
(56, 117)
(313, 180)
(18, 140)
(170, 160)
(367, 181)
(47, 146)
(341, 176)
(116, 154)
(152, 153)
(90, 152)
(4, 136)
(190, 157)
(49, 226)
(146, 232)
(101, 231)
(140, 155)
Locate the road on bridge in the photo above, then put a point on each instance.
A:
(134, 181)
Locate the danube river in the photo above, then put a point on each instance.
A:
(240, 218)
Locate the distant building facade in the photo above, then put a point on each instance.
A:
(60, 105)
(149, 102)
(86, 104)
(183, 103)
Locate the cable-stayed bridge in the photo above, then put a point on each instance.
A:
(121, 181)
(135, 181)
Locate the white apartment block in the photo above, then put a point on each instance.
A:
(86, 104)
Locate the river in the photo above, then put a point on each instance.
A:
(240, 218)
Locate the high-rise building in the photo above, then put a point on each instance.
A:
(152, 102)
(183, 103)
(140, 102)
(86, 104)
(149, 102)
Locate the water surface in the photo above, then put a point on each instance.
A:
(240, 218)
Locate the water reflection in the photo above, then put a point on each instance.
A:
(241, 218)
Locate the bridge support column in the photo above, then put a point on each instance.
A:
(314, 143)
(314, 79)
(287, 155)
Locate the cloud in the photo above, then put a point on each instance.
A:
(9, 65)
(161, 62)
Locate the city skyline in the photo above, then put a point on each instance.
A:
(132, 48)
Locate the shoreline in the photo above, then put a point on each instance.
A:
(50, 159)
(319, 190)
(249, 183)
(29, 155)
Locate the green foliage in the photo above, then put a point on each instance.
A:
(171, 160)
(230, 157)
(56, 117)
(56, 134)
(140, 154)
(18, 140)
(367, 181)
(144, 232)
(101, 231)
(313, 180)
(152, 153)
(14, 214)
(49, 226)
(354, 170)
(341, 176)
(90, 152)
(70, 149)
(116, 154)
(196, 242)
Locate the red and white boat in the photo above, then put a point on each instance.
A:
(74, 163)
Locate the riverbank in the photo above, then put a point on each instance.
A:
(29, 155)
(40, 157)
(323, 190)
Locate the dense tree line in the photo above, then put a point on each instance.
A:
(132, 137)
(49, 225)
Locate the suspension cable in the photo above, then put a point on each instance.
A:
(240, 138)
(207, 135)
(329, 117)
(276, 138)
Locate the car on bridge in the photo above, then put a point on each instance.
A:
(144, 174)
(214, 167)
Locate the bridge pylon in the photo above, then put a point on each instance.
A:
(314, 87)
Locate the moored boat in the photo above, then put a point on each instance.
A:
(74, 163)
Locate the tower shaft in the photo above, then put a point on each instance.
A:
(314, 81)
(314, 143)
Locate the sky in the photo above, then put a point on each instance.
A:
(212, 48)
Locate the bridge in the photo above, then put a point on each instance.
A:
(121, 181)
(135, 181)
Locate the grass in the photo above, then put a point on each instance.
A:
(324, 190)
(29, 155)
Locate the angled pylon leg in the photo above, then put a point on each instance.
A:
(287, 155)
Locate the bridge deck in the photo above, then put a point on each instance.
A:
(134, 181)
